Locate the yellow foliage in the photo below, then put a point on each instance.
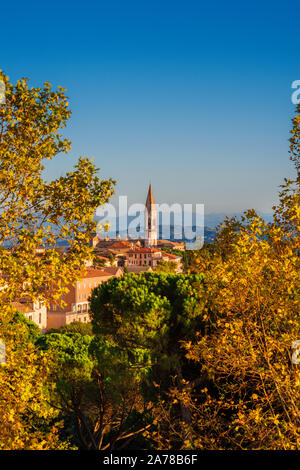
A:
(252, 394)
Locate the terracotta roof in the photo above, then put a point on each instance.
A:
(121, 245)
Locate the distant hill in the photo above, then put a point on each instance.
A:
(212, 220)
(175, 232)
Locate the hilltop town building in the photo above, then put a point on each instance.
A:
(77, 303)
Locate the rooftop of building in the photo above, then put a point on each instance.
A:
(138, 269)
(122, 244)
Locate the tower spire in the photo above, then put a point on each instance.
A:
(150, 197)
(150, 220)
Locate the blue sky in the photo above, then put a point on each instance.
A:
(194, 96)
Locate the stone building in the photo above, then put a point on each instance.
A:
(76, 300)
(150, 220)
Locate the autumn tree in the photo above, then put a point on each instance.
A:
(36, 213)
(148, 314)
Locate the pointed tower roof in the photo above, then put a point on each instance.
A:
(150, 198)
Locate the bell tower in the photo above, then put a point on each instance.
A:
(150, 220)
